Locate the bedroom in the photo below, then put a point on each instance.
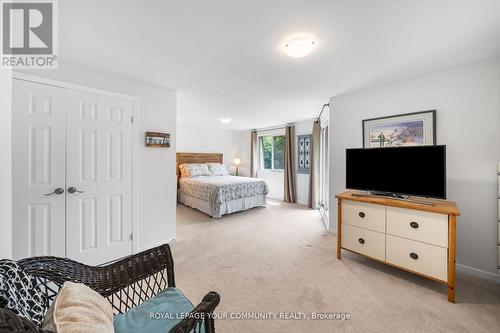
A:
(201, 144)
(224, 139)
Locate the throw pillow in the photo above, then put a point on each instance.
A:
(79, 309)
(217, 169)
(20, 293)
(184, 171)
(195, 170)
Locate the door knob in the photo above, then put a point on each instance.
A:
(58, 190)
(73, 190)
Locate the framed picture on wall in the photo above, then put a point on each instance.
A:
(304, 153)
(156, 139)
(410, 129)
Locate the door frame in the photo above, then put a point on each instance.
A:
(324, 172)
(135, 136)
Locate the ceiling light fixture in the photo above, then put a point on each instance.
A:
(300, 47)
(225, 120)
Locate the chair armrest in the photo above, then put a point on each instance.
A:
(200, 315)
(107, 279)
(11, 323)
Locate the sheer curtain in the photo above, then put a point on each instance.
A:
(315, 165)
(254, 153)
(290, 192)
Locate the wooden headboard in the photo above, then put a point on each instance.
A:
(196, 158)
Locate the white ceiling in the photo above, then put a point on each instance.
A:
(224, 57)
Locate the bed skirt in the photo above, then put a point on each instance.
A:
(227, 207)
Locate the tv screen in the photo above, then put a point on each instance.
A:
(418, 171)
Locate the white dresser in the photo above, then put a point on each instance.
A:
(407, 235)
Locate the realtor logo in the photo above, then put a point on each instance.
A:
(29, 34)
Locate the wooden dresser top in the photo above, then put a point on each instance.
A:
(439, 206)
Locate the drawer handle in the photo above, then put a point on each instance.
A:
(414, 225)
(361, 214)
(414, 256)
(361, 241)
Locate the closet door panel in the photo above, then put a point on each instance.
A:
(38, 153)
(99, 168)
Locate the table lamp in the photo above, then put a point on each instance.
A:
(237, 164)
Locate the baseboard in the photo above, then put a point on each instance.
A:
(478, 272)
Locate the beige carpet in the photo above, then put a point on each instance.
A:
(281, 259)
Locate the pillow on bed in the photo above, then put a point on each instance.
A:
(217, 169)
(184, 171)
(194, 169)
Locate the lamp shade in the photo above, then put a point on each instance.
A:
(236, 162)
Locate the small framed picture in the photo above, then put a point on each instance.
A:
(410, 129)
(156, 139)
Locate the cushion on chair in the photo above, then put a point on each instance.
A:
(158, 314)
(20, 293)
(79, 309)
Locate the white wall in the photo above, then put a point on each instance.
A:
(198, 138)
(245, 152)
(6, 165)
(467, 100)
(156, 183)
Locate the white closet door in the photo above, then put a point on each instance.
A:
(99, 168)
(38, 152)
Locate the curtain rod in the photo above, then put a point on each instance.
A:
(271, 128)
(324, 106)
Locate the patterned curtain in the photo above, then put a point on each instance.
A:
(314, 171)
(290, 193)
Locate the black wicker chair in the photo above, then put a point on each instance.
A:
(125, 283)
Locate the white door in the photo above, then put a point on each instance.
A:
(98, 177)
(38, 154)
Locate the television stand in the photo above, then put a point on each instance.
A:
(417, 238)
(394, 196)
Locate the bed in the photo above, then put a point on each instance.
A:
(217, 195)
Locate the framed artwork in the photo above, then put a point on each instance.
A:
(410, 129)
(304, 153)
(156, 139)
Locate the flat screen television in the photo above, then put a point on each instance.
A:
(396, 171)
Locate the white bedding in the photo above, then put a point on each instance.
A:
(218, 191)
(226, 207)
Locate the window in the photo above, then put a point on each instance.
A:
(272, 152)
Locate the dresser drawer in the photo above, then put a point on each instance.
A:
(367, 242)
(421, 226)
(429, 260)
(364, 215)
